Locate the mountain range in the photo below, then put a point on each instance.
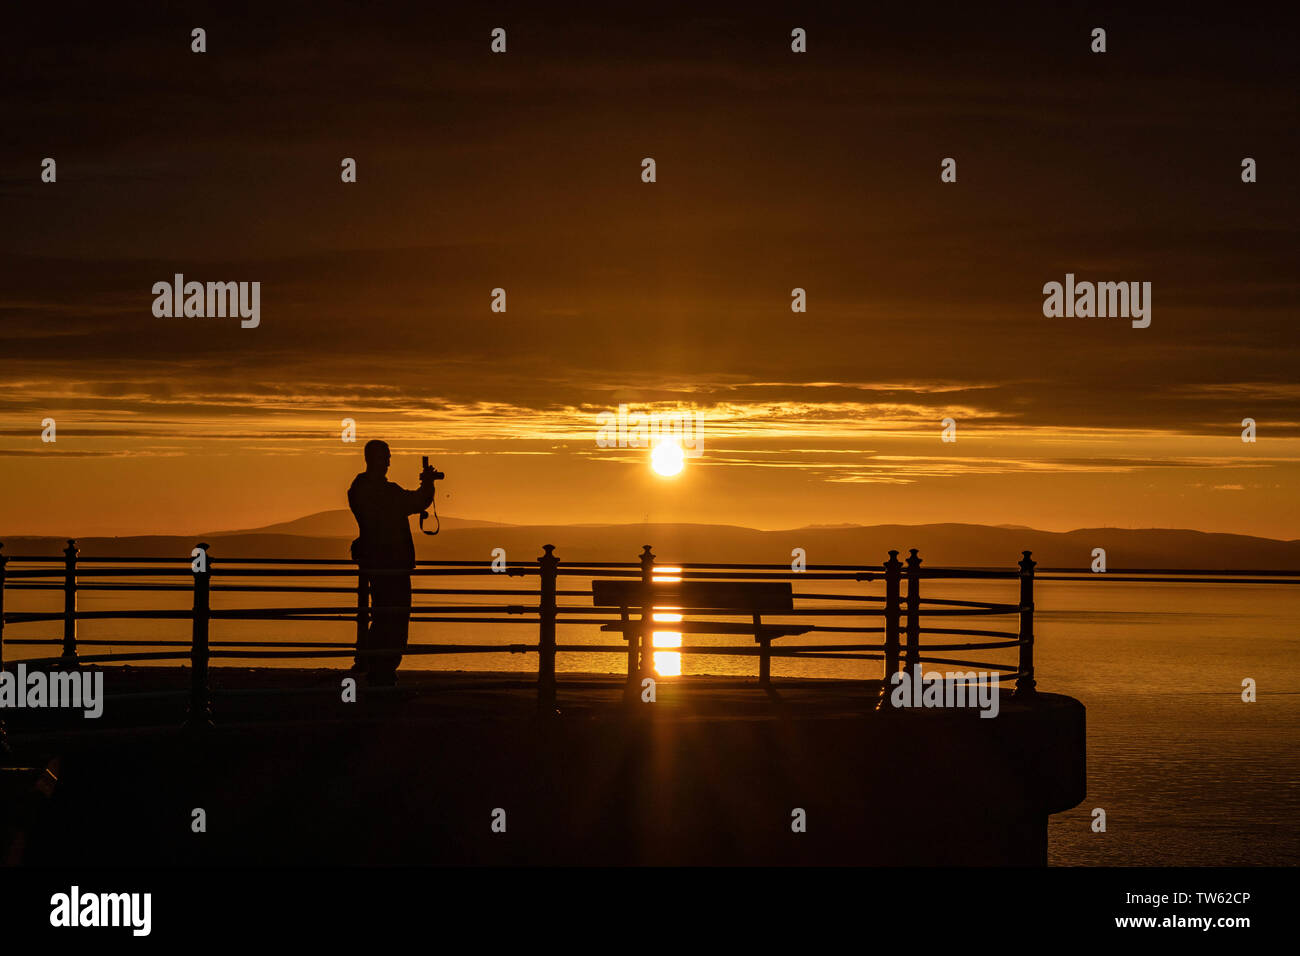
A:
(327, 534)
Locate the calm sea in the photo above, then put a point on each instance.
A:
(1187, 773)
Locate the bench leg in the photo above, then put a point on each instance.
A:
(764, 652)
(630, 689)
(631, 668)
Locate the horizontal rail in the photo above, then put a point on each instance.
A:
(603, 567)
(667, 608)
(971, 632)
(15, 617)
(985, 646)
(968, 611)
(981, 604)
(978, 573)
(292, 589)
(234, 649)
(945, 660)
(1116, 578)
(1253, 571)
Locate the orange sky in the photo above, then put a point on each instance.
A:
(775, 171)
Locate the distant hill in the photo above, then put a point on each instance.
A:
(327, 535)
(340, 524)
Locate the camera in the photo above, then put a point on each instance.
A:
(437, 475)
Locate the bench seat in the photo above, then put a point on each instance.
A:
(687, 597)
(769, 631)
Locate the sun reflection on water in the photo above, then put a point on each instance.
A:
(667, 663)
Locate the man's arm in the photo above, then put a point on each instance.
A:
(413, 502)
(356, 548)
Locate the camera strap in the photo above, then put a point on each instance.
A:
(437, 524)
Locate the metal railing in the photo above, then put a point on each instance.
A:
(900, 615)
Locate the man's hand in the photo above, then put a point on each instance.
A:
(426, 476)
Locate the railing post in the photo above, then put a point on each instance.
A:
(70, 604)
(913, 614)
(1025, 682)
(647, 612)
(546, 631)
(200, 715)
(363, 616)
(4, 740)
(893, 575)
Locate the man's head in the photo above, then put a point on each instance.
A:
(377, 456)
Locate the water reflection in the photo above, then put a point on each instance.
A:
(667, 663)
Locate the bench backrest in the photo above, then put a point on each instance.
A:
(689, 595)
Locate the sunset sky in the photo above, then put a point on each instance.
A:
(775, 170)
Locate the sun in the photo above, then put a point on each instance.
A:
(667, 458)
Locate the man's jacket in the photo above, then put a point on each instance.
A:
(383, 509)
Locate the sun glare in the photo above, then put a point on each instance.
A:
(667, 458)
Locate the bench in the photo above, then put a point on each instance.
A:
(696, 597)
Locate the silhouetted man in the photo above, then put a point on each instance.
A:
(383, 509)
